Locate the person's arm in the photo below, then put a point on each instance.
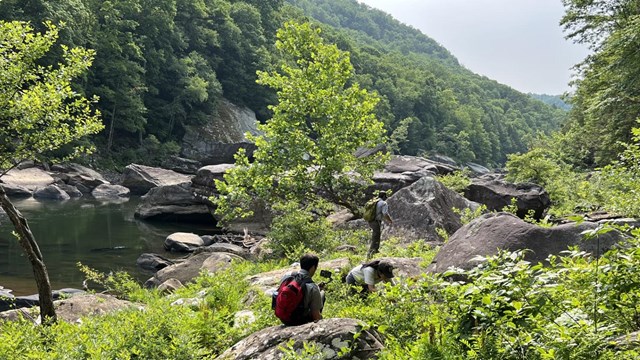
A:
(315, 305)
(371, 288)
(385, 213)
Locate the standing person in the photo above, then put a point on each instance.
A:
(382, 214)
(369, 274)
(298, 299)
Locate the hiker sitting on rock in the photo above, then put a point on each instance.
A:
(298, 299)
(369, 274)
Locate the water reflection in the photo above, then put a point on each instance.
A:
(102, 235)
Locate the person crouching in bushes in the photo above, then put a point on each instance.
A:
(367, 275)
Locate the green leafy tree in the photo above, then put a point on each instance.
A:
(39, 113)
(308, 148)
(606, 104)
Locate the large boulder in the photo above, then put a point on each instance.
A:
(403, 170)
(331, 336)
(227, 248)
(51, 192)
(218, 141)
(191, 267)
(140, 179)
(207, 175)
(423, 207)
(109, 191)
(16, 191)
(412, 164)
(183, 242)
(30, 178)
(174, 203)
(182, 165)
(81, 177)
(491, 232)
(9, 301)
(76, 307)
(496, 194)
(153, 262)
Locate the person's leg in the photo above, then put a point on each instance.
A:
(351, 281)
(375, 238)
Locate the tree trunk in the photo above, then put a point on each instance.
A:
(111, 128)
(30, 247)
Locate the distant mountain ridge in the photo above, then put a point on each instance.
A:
(553, 100)
(446, 108)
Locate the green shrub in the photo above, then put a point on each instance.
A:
(296, 230)
(457, 181)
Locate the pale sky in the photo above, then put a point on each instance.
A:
(515, 42)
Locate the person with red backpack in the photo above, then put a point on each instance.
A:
(298, 299)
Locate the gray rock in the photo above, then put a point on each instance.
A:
(30, 178)
(109, 191)
(9, 301)
(496, 194)
(218, 141)
(228, 248)
(52, 192)
(191, 267)
(477, 168)
(330, 335)
(418, 210)
(174, 203)
(183, 242)
(78, 169)
(491, 232)
(71, 190)
(182, 165)
(169, 286)
(153, 262)
(16, 191)
(207, 175)
(140, 179)
(443, 159)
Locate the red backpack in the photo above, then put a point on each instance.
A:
(289, 299)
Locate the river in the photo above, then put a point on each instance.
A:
(102, 235)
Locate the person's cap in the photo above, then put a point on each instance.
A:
(386, 269)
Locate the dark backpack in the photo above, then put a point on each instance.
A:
(289, 299)
(370, 210)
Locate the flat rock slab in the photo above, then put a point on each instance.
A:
(30, 178)
(74, 308)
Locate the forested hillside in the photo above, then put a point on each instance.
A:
(553, 100)
(164, 64)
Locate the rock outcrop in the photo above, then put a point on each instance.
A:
(51, 192)
(183, 242)
(174, 203)
(218, 141)
(140, 179)
(191, 267)
(74, 308)
(329, 335)
(423, 207)
(496, 194)
(491, 232)
(153, 262)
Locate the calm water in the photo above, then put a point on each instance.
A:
(103, 236)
